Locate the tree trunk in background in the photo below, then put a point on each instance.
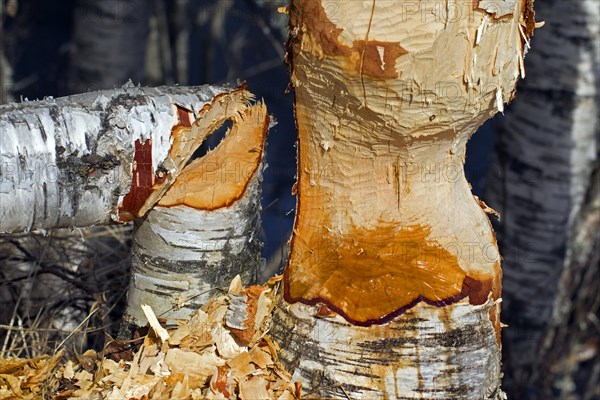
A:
(569, 361)
(205, 230)
(109, 43)
(542, 187)
(104, 42)
(392, 287)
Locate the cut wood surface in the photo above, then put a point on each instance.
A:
(387, 95)
(101, 157)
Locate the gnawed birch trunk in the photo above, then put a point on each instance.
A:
(387, 233)
(101, 157)
(205, 230)
(546, 152)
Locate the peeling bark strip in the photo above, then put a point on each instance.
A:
(386, 98)
(205, 229)
(72, 161)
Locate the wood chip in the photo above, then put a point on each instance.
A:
(201, 367)
(236, 287)
(237, 312)
(241, 366)
(254, 389)
(261, 358)
(200, 359)
(153, 321)
(226, 344)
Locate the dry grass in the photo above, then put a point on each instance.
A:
(62, 290)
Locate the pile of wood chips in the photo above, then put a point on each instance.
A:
(221, 352)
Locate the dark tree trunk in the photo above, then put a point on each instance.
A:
(109, 43)
(36, 38)
(569, 355)
(542, 183)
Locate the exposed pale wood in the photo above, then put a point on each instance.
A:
(383, 129)
(220, 177)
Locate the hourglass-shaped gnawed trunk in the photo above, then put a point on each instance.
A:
(393, 283)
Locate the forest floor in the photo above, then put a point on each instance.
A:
(62, 300)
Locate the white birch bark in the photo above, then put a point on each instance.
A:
(428, 353)
(387, 234)
(547, 149)
(568, 360)
(69, 161)
(182, 255)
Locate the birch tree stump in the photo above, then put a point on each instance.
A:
(393, 282)
(205, 230)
